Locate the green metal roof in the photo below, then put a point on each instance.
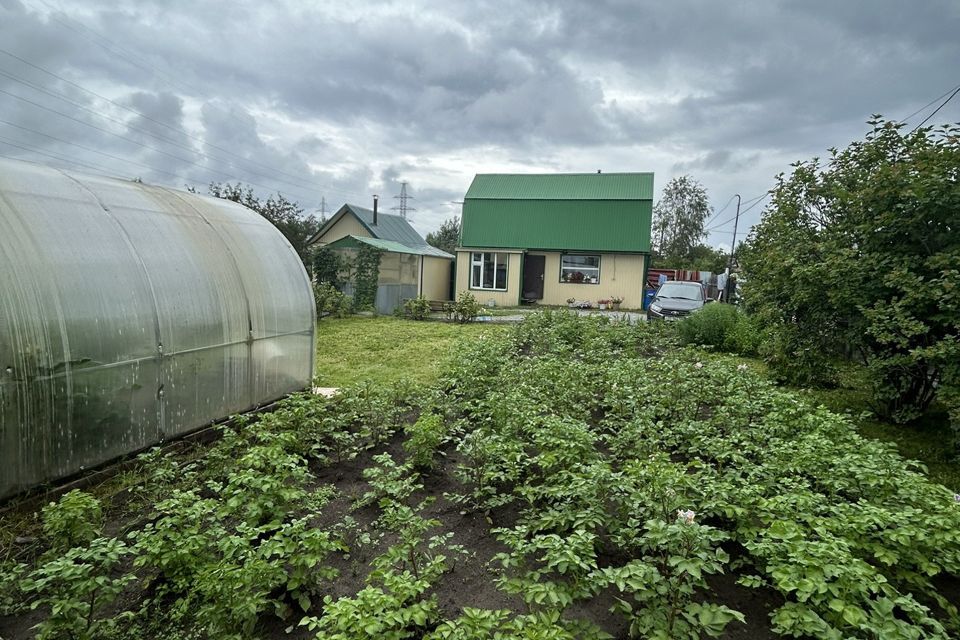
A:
(561, 212)
(389, 227)
(563, 186)
(354, 242)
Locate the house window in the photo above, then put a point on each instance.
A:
(488, 271)
(580, 269)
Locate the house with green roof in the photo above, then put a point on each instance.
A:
(547, 238)
(409, 267)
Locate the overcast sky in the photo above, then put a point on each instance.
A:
(341, 100)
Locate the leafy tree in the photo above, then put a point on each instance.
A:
(678, 220)
(329, 266)
(447, 237)
(287, 216)
(705, 258)
(860, 257)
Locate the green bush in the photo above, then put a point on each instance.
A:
(722, 327)
(710, 326)
(795, 358)
(76, 586)
(465, 309)
(330, 301)
(857, 256)
(416, 308)
(328, 266)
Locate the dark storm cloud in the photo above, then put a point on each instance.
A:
(342, 100)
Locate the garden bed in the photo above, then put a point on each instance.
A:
(568, 478)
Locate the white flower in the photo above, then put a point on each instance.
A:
(686, 517)
(699, 365)
(742, 367)
(956, 497)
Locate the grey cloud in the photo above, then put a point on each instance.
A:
(731, 92)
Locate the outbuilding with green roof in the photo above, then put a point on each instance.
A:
(409, 267)
(549, 238)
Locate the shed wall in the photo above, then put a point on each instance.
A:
(345, 226)
(436, 278)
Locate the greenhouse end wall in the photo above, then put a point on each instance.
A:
(130, 314)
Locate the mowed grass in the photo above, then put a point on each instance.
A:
(387, 349)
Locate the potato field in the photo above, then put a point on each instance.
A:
(567, 478)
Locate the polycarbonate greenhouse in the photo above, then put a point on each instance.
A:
(130, 314)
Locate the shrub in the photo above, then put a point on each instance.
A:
(722, 327)
(795, 358)
(466, 308)
(330, 301)
(416, 308)
(710, 326)
(328, 266)
(857, 255)
(747, 335)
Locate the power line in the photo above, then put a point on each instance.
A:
(119, 51)
(145, 146)
(924, 121)
(403, 197)
(61, 96)
(131, 57)
(78, 163)
(92, 150)
(714, 216)
(755, 202)
(928, 104)
(171, 141)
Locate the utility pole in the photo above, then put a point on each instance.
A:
(403, 197)
(733, 249)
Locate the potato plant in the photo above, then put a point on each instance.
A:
(851, 535)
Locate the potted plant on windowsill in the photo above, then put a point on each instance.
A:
(616, 301)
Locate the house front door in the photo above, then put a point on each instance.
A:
(533, 277)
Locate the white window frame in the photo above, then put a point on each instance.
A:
(592, 272)
(477, 259)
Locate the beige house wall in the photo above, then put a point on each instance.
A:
(620, 275)
(436, 278)
(508, 298)
(345, 226)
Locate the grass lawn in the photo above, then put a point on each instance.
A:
(386, 349)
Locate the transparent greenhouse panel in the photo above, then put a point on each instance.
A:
(282, 364)
(130, 314)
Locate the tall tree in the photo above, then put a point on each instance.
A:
(287, 216)
(678, 220)
(447, 237)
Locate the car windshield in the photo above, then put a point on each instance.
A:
(677, 290)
